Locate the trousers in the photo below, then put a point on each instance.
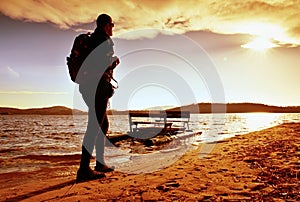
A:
(97, 127)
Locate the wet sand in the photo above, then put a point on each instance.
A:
(258, 166)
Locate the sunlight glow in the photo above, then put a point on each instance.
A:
(267, 31)
(258, 121)
(262, 29)
(259, 44)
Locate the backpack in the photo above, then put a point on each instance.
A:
(79, 52)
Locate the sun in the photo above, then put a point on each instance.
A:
(260, 44)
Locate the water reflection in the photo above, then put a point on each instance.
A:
(237, 124)
(213, 127)
(25, 135)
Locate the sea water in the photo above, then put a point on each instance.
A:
(61, 135)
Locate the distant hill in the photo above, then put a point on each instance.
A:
(57, 110)
(236, 108)
(193, 108)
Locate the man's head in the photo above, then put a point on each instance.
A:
(104, 22)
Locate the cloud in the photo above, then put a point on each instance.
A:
(225, 17)
(31, 93)
(12, 73)
(9, 72)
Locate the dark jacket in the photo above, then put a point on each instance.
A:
(100, 59)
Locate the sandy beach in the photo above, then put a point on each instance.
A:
(259, 166)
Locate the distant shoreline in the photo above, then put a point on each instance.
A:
(56, 110)
(200, 108)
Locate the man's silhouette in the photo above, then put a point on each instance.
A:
(96, 91)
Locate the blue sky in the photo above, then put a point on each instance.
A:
(203, 57)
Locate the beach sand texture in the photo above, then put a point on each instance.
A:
(259, 166)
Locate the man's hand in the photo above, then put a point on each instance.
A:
(115, 62)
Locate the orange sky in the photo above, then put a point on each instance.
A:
(252, 46)
(277, 19)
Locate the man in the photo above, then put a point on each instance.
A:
(96, 91)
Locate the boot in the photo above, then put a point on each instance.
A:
(85, 158)
(88, 174)
(103, 168)
(84, 172)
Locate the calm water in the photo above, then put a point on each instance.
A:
(24, 135)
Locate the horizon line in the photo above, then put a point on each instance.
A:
(41, 107)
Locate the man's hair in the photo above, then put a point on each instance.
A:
(102, 20)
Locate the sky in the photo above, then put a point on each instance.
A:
(172, 52)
